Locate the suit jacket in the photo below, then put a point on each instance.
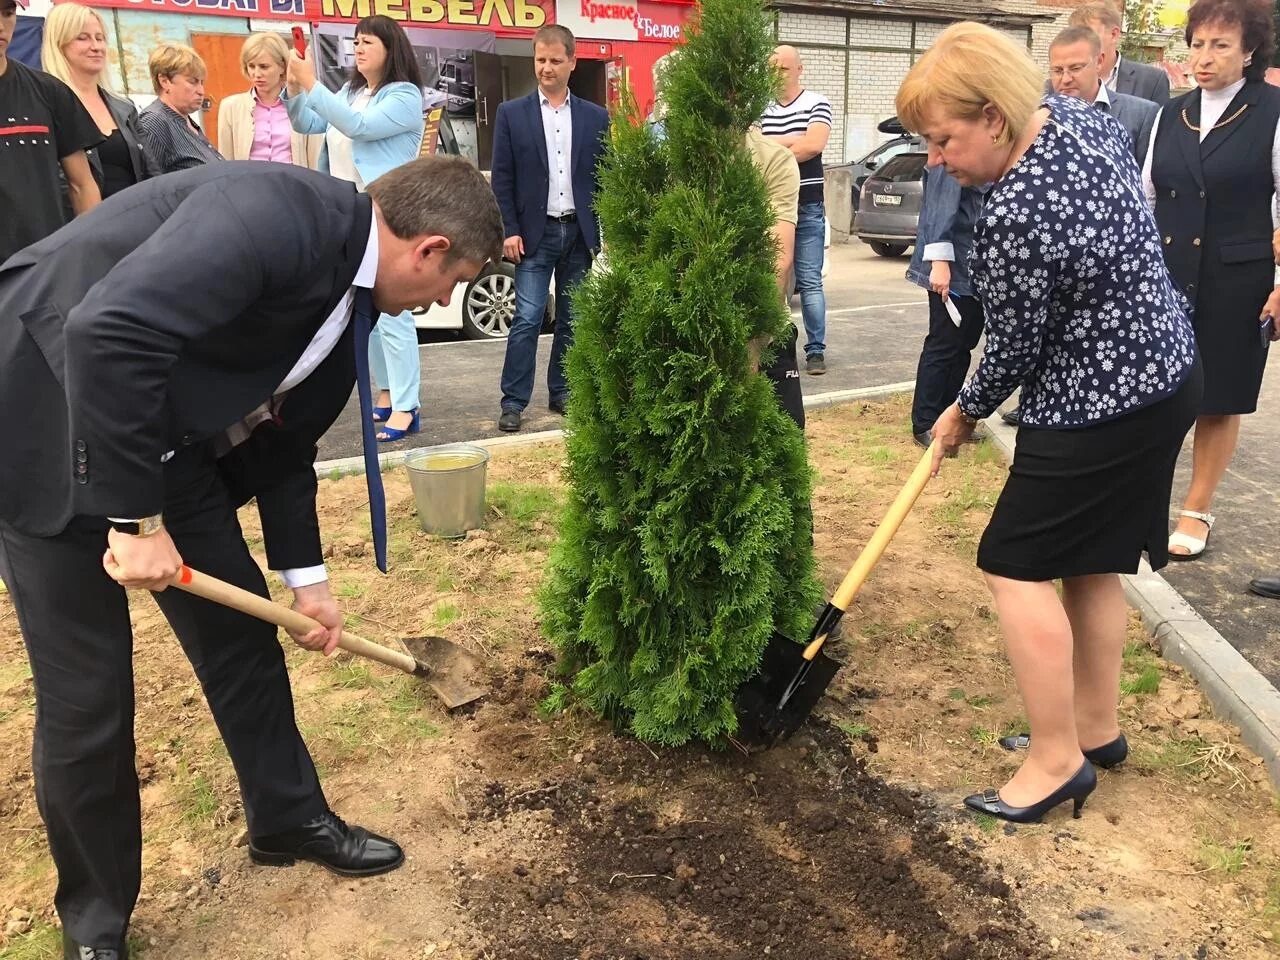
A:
(128, 351)
(1138, 116)
(1142, 80)
(520, 183)
(235, 133)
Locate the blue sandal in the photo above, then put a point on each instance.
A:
(380, 414)
(391, 434)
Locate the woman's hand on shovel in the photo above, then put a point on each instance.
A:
(318, 603)
(950, 432)
(141, 563)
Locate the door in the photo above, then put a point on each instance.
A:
(488, 84)
(221, 55)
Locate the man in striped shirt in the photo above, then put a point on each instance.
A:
(800, 120)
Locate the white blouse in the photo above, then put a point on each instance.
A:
(342, 163)
(1213, 104)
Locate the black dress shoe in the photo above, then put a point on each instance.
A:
(1011, 417)
(1077, 790)
(74, 951)
(923, 438)
(556, 405)
(1106, 756)
(509, 421)
(328, 841)
(1268, 587)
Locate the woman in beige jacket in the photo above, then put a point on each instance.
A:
(255, 125)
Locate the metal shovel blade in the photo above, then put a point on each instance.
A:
(446, 667)
(763, 716)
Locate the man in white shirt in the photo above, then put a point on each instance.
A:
(545, 150)
(1075, 70)
(169, 399)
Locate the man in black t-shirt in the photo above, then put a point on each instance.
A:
(43, 125)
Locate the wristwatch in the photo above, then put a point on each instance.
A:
(138, 528)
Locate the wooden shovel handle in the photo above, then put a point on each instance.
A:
(229, 595)
(875, 547)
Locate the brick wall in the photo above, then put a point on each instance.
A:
(858, 64)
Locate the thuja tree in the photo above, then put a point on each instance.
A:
(686, 539)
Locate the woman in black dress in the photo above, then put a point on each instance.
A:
(75, 51)
(1080, 313)
(1211, 171)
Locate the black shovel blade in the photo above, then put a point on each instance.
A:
(765, 712)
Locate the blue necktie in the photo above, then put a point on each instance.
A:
(362, 324)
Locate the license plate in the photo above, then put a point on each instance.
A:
(886, 200)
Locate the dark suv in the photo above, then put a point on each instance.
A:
(902, 142)
(889, 208)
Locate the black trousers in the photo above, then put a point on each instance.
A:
(75, 621)
(944, 359)
(784, 374)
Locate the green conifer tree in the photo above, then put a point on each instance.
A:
(686, 539)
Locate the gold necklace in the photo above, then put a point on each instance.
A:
(1220, 123)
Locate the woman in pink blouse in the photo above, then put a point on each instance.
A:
(255, 125)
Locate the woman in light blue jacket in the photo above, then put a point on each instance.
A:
(372, 124)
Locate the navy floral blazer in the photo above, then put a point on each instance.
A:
(1080, 310)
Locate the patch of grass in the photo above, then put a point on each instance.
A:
(854, 730)
(987, 452)
(195, 796)
(986, 823)
(956, 693)
(348, 590)
(1271, 899)
(445, 583)
(979, 701)
(334, 474)
(1174, 755)
(1146, 682)
(523, 503)
(354, 674)
(1137, 653)
(42, 942)
(408, 705)
(983, 736)
(445, 614)
(1225, 858)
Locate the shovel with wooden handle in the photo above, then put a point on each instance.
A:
(776, 701)
(445, 666)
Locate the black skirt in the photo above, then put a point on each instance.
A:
(1090, 500)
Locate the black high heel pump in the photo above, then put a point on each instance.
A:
(1077, 790)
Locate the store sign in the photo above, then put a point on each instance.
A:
(599, 19)
(492, 14)
(259, 9)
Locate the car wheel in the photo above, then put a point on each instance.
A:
(888, 249)
(489, 305)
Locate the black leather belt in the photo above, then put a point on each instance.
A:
(564, 218)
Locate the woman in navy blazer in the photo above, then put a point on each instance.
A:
(371, 125)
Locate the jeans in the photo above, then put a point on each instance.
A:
(562, 251)
(810, 237)
(393, 359)
(944, 360)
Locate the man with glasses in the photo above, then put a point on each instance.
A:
(1075, 70)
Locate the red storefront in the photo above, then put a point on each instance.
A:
(480, 49)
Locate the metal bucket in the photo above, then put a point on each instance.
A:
(448, 486)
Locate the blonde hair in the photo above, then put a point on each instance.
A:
(258, 43)
(64, 23)
(171, 59)
(968, 68)
(1100, 11)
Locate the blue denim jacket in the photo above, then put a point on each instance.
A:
(947, 214)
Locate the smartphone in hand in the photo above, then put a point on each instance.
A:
(300, 42)
(1267, 330)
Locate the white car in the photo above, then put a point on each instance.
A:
(484, 308)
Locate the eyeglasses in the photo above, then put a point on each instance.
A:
(1072, 71)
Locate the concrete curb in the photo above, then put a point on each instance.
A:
(1238, 692)
(350, 466)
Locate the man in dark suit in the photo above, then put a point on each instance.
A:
(545, 150)
(168, 398)
(1120, 74)
(1075, 70)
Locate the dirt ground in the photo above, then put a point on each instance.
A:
(548, 838)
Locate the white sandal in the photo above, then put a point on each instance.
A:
(1193, 545)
